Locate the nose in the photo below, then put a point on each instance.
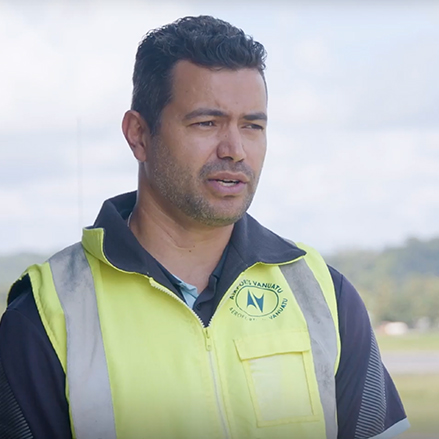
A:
(231, 145)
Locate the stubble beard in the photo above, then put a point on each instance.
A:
(176, 184)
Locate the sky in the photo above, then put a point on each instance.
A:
(353, 132)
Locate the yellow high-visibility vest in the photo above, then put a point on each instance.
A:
(140, 364)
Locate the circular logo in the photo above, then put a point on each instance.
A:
(256, 301)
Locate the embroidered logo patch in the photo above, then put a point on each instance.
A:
(252, 300)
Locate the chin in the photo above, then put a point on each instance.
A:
(222, 219)
(215, 213)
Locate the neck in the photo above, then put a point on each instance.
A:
(187, 249)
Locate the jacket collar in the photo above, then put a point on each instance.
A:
(111, 241)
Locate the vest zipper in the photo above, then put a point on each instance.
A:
(216, 385)
(209, 348)
(173, 295)
(208, 339)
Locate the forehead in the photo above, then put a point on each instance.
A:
(233, 90)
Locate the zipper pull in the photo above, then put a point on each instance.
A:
(208, 339)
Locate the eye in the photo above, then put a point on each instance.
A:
(254, 126)
(206, 123)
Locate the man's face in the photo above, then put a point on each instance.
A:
(206, 160)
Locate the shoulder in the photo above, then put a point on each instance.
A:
(21, 327)
(21, 301)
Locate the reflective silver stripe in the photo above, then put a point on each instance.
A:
(90, 400)
(311, 300)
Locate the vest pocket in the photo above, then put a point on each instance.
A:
(280, 375)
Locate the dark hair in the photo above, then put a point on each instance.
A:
(205, 41)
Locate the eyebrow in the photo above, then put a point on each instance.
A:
(256, 116)
(260, 115)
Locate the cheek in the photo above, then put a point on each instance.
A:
(196, 153)
(191, 160)
(257, 155)
(263, 151)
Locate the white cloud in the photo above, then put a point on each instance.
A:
(367, 189)
(76, 62)
(353, 141)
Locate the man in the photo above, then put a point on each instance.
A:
(179, 316)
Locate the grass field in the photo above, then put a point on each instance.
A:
(420, 396)
(419, 393)
(409, 342)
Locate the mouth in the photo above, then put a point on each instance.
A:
(227, 187)
(228, 183)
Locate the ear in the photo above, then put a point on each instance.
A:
(137, 134)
